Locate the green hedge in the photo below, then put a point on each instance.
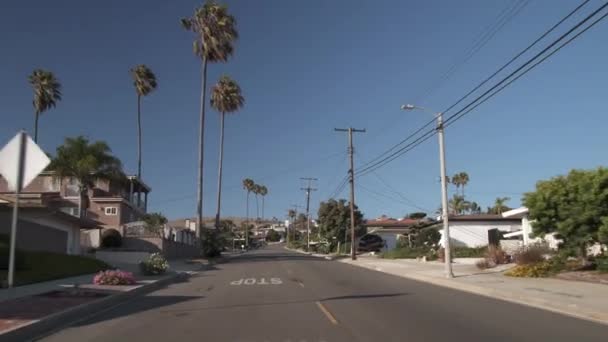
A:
(410, 253)
(469, 252)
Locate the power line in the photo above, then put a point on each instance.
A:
(517, 55)
(505, 16)
(453, 118)
(464, 111)
(392, 189)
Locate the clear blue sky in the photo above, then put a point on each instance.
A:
(306, 67)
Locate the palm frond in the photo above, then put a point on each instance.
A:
(226, 96)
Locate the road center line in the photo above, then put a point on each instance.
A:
(328, 314)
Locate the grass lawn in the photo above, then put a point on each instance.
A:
(42, 266)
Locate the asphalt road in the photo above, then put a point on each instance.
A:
(276, 295)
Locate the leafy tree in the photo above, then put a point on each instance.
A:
(273, 236)
(334, 220)
(154, 222)
(575, 207)
(47, 92)
(86, 162)
(144, 81)
(225, 98)
(215, 33)
(417, 215)
(474, 208)
(499, 206)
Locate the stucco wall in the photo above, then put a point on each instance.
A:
(170, 249)
(39, 236)
(475, 234)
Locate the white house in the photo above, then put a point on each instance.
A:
(391, 230)
(526, 229)
(473, 230)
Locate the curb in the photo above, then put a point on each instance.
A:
(589, 315)
(63, 319)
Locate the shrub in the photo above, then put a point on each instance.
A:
(114, 277)
(530, 254)
(601, 263)
(111, 238)
(154, 264)
(536, 270)
(427, 237)
(470, 252)
(211, 244)
(273, 236)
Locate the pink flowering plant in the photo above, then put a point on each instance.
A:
(114, 277)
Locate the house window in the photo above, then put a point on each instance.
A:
(111, 211)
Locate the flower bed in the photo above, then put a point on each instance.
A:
(114, 277)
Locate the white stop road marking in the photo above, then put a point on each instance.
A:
(254, 281)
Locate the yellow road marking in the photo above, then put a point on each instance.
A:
(328, 314)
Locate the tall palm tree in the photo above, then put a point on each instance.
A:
(457, 181)
(263, 193)
(248, 185)
(215, 31)
(47, 92)
(144, 81)
(464, 180)
(86, 162)
(225, 98)
(256, 191)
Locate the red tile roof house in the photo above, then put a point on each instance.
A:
(391, 230)
(111, 204)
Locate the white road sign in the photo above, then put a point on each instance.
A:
(35, 161)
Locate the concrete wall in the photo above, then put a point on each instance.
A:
(38, 236)
(117, 258)
(90, 238)
(475, 234)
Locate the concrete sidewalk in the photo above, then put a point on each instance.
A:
(579, 299)
(176, 266)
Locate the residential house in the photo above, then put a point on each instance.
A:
(475, 230)
(111, 203)
(391, 230)
(41, 228)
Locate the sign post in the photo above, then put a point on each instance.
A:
(21, 160)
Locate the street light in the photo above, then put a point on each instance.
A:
(444, 189)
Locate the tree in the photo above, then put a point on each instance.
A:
(248, 185)
(464, 180)
(215, 33)
(417, 216)
(263, 193)
(86, 162)
(457, 205)
(47, 92)
(273, 236)
(225, 98)
(334, 221)
(257, 188)
(292, 217)
(144, 81)
(457, 181)
(499, 206)
(574, 207)
(154, 222)
(474, 208)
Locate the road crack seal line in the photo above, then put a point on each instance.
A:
(327, 313)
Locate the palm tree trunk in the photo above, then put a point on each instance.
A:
(139, 147)
(257, 207)
(247, 221)
(82, 192)
(263, 206)
(36, 126)
(201, 132)
(219, 172)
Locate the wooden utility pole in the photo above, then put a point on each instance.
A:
(351, 171)
(308, 189)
